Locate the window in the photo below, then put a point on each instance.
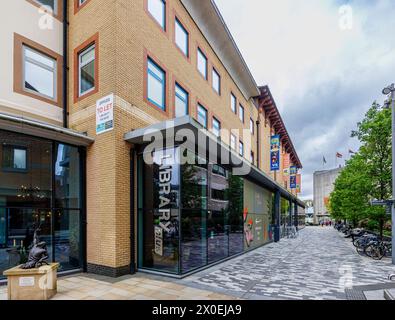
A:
(202, 63)
(182, 38)
(86, 63)
(81, 2)
(252, 157)
(241, 148)
(14, 158)
(252, 126)
(241, 113)
(157, 8)
(233, 103)
(40, 73)
(181, 101)
(53, 4)
(233, 141)
(202, 115)
(216, 127)
(216, 82)
(156, 85)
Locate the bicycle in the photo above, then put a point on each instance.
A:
(377, 250)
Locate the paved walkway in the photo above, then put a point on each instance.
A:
(138, 287)
(318, 265)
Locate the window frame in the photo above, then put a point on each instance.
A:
(57, 12)
(163, 28)
(214, 70)
(186, 90)
(53, 70)
(20, 43)
(199, 49)
(235, 140)
(162, 81)
(241, 108)
(81, 65)
(214, 118)
(200, 105)
(241, 148)
(232, 95)
(78, 5)
(94, 40)
(252, 126)
(15, 147)
(178, 21)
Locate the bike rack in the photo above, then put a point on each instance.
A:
(391, 277)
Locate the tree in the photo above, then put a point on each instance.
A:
(368, 174)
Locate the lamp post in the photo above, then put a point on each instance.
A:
(390, 90)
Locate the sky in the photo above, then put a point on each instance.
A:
(325, 62)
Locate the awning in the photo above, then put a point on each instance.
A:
(43, 130)
(174, 130)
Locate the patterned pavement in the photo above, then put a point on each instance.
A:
(319, 265)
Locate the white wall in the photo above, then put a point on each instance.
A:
(20, 16)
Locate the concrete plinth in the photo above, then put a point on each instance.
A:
(32, 284)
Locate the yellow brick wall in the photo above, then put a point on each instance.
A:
(125, 31)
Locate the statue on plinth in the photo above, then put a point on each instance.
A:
(38, 254)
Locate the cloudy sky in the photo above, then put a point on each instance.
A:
(323, 76)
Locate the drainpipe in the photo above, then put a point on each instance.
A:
(65, 62)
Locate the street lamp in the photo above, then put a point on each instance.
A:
(390, 90)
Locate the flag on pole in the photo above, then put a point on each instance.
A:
(339, 155)
(350, 151)
(324, 160)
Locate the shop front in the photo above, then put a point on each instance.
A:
(193, 212)
(41, 185)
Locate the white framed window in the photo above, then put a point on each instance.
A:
(202, 115)
(216, 127)
(233, 103)
(157, 8)
(156, 84)
(233, 141)
(39, 73)
(216, 81)
(202, 63)
(86, 68)
(241, 149)
(81, 2)
(182, 38)
(181, 101)
(241, 113)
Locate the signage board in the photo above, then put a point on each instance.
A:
(105, 114)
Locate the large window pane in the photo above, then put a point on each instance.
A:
(181, 101)
(39, 73)
(202, 63)
(25, 176)
(181, 36)
(67, 239)
(202, 116)
(87, 70)
(17, 234)
(156, 86)
(67, 177)
(158, 213)
(157, 8)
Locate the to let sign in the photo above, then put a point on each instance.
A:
(105, 114)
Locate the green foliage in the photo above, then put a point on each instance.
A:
(368, 174)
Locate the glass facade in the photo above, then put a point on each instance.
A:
(191, 215)
(285, 216)
(41, 186)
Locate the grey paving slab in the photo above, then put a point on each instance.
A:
(319, 265)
